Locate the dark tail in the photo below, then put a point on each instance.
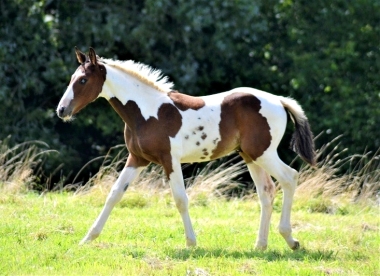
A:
(302, 141)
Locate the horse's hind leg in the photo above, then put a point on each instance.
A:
(287, 177)
(266, 191)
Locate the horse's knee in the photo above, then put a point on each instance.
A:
(182, 204)
(289, 180)
(266, 202)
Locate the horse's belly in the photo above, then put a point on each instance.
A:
(198, 153)
(200, 134)
(199, 142)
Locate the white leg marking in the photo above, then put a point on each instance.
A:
(266, 191)
(179, 193)
(126, 177)
(288, 178)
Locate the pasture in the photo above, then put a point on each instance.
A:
(39, 233)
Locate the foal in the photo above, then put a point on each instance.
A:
(166, 127)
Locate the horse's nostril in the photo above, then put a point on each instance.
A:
(61, 110)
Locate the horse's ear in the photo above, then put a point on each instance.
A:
(92, 56)
(80, 56)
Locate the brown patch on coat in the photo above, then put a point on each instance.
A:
(95, 74)
(136, 161)
(269, 187)
(184, 102)
(148, 140)
(204, 136)
(242, 127)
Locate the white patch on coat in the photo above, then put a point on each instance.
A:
(199, 134)
(127, 87)
(145, 73)
(68, 96)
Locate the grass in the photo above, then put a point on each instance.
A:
(39, 235)
(18, 163)
(336, 218)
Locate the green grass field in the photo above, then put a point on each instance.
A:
(39, 235)
(339, 228)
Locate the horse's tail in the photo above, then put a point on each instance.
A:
(302, 141)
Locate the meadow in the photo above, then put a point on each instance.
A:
(39, 232)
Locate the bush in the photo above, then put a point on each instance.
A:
(324, 54)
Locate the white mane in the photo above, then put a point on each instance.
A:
(145, 73)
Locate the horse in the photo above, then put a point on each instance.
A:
(166, 127)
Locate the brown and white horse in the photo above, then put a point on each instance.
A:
(166, 127)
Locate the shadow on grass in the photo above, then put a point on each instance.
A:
(269, 255)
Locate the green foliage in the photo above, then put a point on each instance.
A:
(323, 53)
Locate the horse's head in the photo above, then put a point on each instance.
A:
(85, 85)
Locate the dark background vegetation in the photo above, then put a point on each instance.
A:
(323, 53)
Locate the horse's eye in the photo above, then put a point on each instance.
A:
(83, 81)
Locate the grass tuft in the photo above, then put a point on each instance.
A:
(215, 180)
(134, 200)
(360, 183)
(19, 165)
(320, 188)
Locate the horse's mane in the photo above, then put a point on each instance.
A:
(148, 75)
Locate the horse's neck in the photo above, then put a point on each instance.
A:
(125, 87)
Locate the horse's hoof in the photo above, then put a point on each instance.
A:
(84, 241)
(87, 239)
(296, 245)
(260, 247)
(191, 243)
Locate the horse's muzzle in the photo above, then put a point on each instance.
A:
(64, 113)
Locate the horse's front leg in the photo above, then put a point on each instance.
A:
(180, 197)
(126, 177)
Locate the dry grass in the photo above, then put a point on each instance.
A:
(216, 179)
(18, 165)
(360, 183)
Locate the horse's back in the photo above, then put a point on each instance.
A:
(228, 119)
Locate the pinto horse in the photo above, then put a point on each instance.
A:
(168, 128)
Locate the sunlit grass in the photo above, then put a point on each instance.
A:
(40, 235)
(338, 227)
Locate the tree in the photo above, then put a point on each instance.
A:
(325, 54)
